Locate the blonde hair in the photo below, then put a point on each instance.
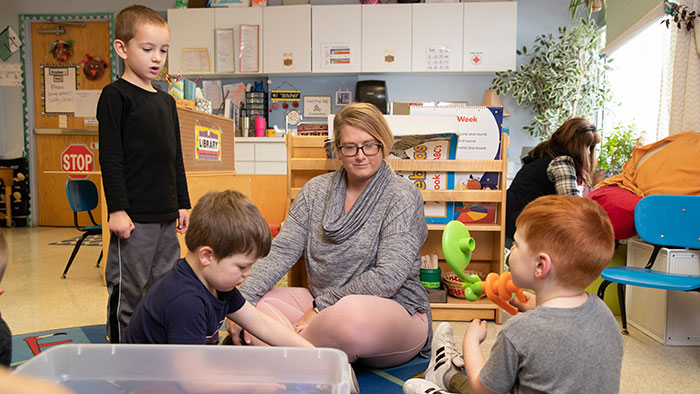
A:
(365, 117)
(131, 18)
(229, 223)
(575, 231)
(577, 138)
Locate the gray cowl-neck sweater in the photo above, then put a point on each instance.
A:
(372, 250)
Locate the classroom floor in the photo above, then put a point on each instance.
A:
(37, 299)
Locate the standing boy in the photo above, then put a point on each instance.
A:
(570, 342)
(227, 236)
(142, 169)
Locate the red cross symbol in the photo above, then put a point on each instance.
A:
(476, 59)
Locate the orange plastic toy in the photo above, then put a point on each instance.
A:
(500, 288)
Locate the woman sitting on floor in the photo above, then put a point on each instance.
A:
(360, 229)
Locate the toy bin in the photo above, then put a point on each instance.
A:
(107, 369)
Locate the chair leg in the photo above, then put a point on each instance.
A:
(601, 289)
(99, 259)
(72, 256)
(623, 310)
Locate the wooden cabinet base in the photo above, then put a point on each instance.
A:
(456, 309)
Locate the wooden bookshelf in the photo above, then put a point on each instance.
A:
(306, 158)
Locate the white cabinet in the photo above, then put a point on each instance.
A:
(336, 38)
(437, 37)
(267, 156)
(287, 38)
(233, 18)
(386, 37)
(669, 317)
(490, 31)
(191, 28)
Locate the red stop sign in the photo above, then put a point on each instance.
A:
(77, 158)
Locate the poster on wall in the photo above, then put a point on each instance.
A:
(249, 45)
(207, 143)
(335, 55)
(58, 89)
(317, 106)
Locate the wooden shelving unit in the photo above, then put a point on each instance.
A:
(306, 158)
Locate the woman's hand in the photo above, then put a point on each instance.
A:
(234, 330)
(305, 320)
(120, 224)
(530, 304)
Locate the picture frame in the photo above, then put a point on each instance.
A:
(317, 106)
(343, 98)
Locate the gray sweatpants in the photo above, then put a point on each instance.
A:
(133, 265)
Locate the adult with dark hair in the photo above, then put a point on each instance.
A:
(561, 165)
(360, 229)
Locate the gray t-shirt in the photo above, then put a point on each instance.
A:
(557, 350)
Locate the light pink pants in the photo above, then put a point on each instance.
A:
(376, 331)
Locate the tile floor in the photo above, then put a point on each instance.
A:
(37, 299)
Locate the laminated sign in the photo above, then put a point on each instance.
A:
(208, 143)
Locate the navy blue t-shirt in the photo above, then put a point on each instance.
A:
(178, 309)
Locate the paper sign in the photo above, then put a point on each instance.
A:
(208, 143)
(11, 74)
(224, 51)
(86, 103)
(195, 59)
(59, 89)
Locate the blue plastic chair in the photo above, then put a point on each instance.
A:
(661, 220)
(82, 197)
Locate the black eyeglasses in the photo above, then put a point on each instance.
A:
(370, 149)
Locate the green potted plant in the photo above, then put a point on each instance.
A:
(616, 148)
(564, 77)
(589, 6)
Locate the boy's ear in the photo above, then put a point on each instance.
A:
(543, 265)
(205, 255)
(120, 48)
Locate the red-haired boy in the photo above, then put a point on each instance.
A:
(570, 342)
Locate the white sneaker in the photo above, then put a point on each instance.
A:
(445, 360)
(421, 386)
(354, 385)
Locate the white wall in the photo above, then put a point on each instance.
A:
(535, 17)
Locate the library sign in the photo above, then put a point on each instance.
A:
(208, 143)
(77, 158)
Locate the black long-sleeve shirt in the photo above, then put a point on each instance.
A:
(140, 153)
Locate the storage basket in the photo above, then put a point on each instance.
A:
(454, 284)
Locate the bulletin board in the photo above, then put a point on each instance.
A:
(93, 39)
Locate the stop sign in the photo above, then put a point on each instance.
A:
(77, 158)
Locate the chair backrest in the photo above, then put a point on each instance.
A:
(669, 220)
(82, 195)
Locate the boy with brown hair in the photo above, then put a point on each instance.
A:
(142, 169)
(570, 342)
(227, 235)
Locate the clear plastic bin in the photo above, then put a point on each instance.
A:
(169, 369)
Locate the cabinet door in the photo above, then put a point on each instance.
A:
(437, 37)
(386, 37)
(233, 18)
(336, 37)
(287, 38)
(191, 28)
(490, 32)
